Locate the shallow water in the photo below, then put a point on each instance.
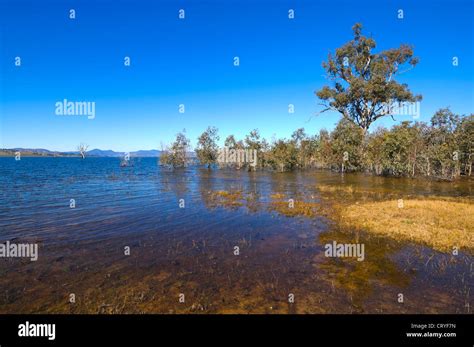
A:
(190, 250)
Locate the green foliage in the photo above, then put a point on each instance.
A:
(442, 149)
(283, 155)
(324, 152)
(176, 155)
(375, 159)
(207, 148)
(346, 143)
(253, 142)
(398, 149)
(443, 142)
(363, 82)
(306, 148)
(464, 136)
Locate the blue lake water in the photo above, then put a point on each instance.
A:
(190, 249)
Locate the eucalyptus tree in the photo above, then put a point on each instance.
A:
(207, 149)
(363, 86)
(177, 154)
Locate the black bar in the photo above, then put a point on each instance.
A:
(294, 330)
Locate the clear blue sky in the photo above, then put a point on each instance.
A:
(191, 62)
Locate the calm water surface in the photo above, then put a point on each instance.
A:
(190, 250)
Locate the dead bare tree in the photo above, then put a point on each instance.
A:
(82, 149)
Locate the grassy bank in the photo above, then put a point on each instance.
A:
(438, 222)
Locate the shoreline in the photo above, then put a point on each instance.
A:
(461, 177)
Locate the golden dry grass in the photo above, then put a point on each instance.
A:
(224, 198)
(333, 188)
(277, 196)
(229, 194)
(300, 208)
(440, 224)
(350, 193)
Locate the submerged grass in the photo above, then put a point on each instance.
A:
(438, 224)
(292, 208)
(230, 199)
(436, 221)
(300, 208)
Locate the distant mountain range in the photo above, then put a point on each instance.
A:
(109, 153)
(92, 153)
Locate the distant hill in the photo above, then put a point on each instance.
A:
(146, 153)
(110, 153)
(32, 150)
(35, 152)
(104, 153)
(92, 153)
